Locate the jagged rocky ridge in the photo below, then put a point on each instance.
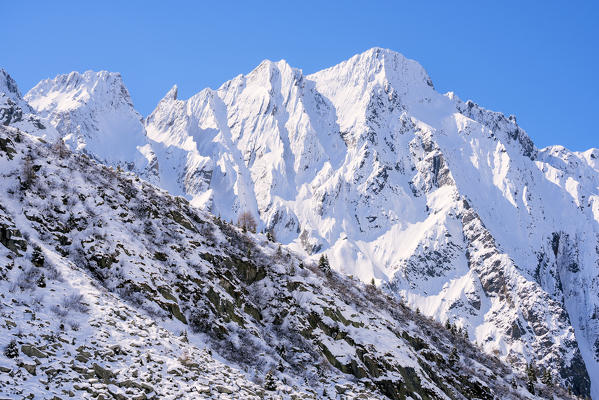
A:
(111, 287)
(15, 111)
(444, 203)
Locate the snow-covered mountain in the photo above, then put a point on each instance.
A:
(93, 113)
(445, 203)
(448, 206)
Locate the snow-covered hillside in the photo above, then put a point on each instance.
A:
(111, 288)
(448, 206)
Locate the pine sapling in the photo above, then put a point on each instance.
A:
(270, 382)
(453, 358)
(11, 350)
(323, 264)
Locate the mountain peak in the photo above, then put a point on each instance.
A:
(89, 77)
(376, 65)
(273, 64)
(171, 94)
(8, 86)
(93, 112)
(70, 91)
(379, 53)
(267, 70)
(267, 75)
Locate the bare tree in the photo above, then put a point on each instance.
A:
(28, 172)
(60, 148)
(247, 222)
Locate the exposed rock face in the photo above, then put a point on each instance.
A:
(33, 351)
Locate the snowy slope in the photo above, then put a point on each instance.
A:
(448, 206)
(111, 287)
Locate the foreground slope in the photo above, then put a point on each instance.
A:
(111, 286)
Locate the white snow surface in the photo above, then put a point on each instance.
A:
(445, 204)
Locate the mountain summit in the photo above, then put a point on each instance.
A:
(93, 113)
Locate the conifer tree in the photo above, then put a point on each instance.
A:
(531, 378)
(41, 281)
(530, 385)
(11, 350)
(270, 382)
(531, 372)
(547, 379)
(453, 358)
(37, 257)
(323, 264)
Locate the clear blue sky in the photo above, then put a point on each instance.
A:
(537, 60)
